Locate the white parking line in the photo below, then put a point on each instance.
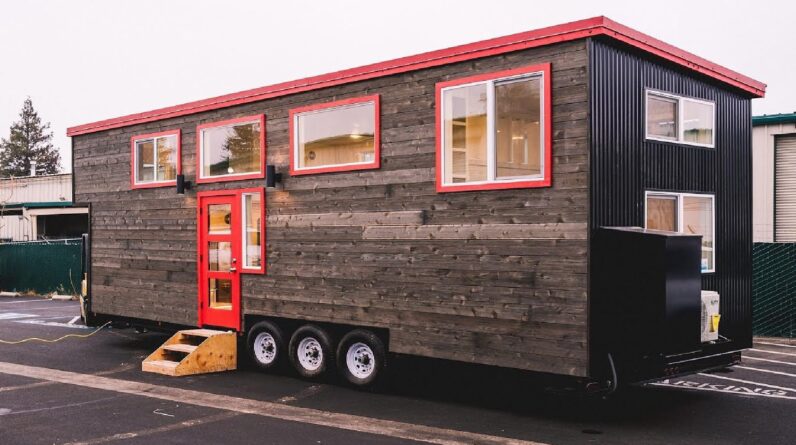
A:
(14, 315)
(767, 371)
(76, 318)
(774, 344)
(52, 323)
(789, 354)
(769, 360)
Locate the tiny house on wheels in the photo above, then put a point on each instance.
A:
(573, 200)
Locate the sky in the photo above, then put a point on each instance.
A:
(81, 61)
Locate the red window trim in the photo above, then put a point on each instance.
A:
(225, 178)
(149, 185)
(547, 179)
(238, 193)
(252, 270)
(294, 171)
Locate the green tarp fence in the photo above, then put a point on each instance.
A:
(774, 289)
(41, 266)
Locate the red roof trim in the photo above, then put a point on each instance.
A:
(530, 39)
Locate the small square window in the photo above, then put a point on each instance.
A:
(155, 159)
(662, 117)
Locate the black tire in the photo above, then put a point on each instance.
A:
(319, 354)
(370, 361)
(265, 345)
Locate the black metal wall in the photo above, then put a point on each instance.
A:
(624, 165)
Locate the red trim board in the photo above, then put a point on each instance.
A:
(591, 27)
(547, 113)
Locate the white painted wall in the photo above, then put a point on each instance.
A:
(763, 179)
(16, 228)
(51, 188)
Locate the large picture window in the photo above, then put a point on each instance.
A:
(680, 119)
(155, 160)
(493, 131)
(336, 136)
(231, 150)
(693, 214)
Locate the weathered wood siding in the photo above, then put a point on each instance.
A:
(494, 277)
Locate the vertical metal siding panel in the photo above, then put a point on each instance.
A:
(624, 165)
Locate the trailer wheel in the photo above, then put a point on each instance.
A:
(265, 345)
(361, 357)
(311, 351)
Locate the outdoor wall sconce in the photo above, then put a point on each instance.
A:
(182, 185)
(272, 177)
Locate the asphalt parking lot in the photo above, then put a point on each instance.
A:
(91, 391)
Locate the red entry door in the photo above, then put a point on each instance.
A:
(219, 253)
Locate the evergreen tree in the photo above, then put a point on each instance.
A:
(30, 140)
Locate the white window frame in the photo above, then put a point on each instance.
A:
(491, 145)
(154, 140)
(681, 100)
(244, 238)
(227, 125)
(679, 199)
(297, 141)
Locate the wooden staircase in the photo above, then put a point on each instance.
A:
(194, 351)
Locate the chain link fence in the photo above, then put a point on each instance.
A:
(41, 267)
(774, 289)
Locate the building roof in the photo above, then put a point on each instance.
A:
(774, 119)
(38, 205)
(595, 26)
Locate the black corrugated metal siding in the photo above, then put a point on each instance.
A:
(624, 165)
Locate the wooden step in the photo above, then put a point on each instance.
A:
(201, 332)
(166, 367)
(179, 347)
(204, 350)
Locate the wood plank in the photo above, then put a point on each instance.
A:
(478, 231)
(346, 219)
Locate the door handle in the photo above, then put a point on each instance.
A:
(233, 269)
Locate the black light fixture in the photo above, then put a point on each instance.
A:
(271, 176)
(182, 185)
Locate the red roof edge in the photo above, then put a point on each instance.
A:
(529, 39)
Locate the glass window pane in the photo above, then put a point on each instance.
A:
(518, 107)
(220, 293)
(252, 236)
(219, 218)
(231, 150)
(219, 256)
(662, 213)
(145, 157)
(697, 122)
(698, 220)
(465, 134)
(337, 136)
(661, 117)
(167, 158)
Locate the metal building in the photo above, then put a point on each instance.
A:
(774, 177)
